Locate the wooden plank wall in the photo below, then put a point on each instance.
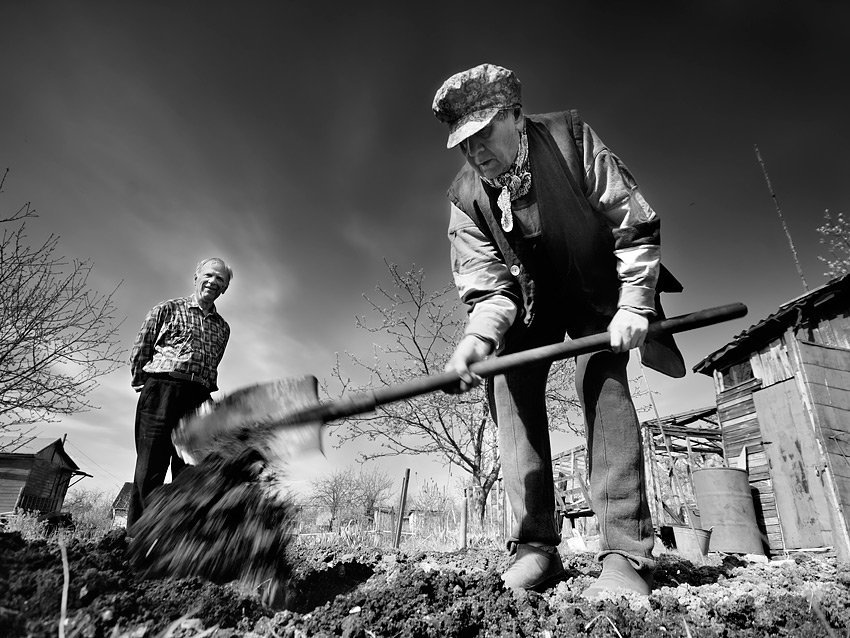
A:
(736, 412)
(44, 479)
(828, 380)
(739, 424)
(13, 477)
(792, 453)
(834, 331)
(771, 364)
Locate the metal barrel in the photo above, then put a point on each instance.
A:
(726, 507)
(693, 543)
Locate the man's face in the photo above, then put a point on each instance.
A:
(492, 150)
(210, 281)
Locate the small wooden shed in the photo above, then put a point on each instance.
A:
(691, 439)
(572, 493)
(121, 505)
(678, 444)
(35, 474)
(783, 400)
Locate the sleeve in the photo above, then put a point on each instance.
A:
(225, 338)
(224, 341)
(613, 192)
(143, 348)
(482, 280)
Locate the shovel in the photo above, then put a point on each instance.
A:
(224, 517)
(283, 419)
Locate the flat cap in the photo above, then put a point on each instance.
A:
(468, 100)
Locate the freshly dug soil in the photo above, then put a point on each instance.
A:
(222, 520)
(369, 592)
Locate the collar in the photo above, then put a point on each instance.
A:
(193, 303)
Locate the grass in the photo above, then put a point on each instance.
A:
(27, 524)
(438, 538)
(32, 527)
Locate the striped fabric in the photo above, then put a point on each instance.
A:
(176, 336)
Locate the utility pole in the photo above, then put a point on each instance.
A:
(781, 219)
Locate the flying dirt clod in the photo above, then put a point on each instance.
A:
(224, 520)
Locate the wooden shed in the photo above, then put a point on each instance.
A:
(35, 474)
(121, 505)
(783, 403)
(686, 441)
(675, 446)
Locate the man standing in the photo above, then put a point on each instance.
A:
(550, 237)
(174, 364)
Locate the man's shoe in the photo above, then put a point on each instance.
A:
(534, 568)
(618, 576)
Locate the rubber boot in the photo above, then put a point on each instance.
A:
(536, 567)
(618, 576)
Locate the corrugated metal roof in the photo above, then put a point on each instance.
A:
(789, 314)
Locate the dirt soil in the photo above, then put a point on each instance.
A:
(370, 592)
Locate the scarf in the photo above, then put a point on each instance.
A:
(514, 183)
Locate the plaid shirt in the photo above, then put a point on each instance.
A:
(177, 337)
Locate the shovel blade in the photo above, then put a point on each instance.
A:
(253, 417)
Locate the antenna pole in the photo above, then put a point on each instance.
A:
(781, 219)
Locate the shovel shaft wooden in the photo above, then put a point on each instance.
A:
(367, 401)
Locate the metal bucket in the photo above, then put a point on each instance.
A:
(691, 543)
(726, 506)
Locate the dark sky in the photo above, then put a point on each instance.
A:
(296, 140)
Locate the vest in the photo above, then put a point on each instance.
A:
(574, 256)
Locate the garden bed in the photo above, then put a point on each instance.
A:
(368, 592)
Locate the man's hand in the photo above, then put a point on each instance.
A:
(627, 330)
(468, 351)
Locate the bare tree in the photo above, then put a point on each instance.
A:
(417, 330)
(57, 335)
(562, 403)
(835, 236)
(433, 498)
(334, 492)
(372, 490)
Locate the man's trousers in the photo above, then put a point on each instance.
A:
(163, 401)
(615, 454)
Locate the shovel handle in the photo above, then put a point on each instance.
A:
(367, 401)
